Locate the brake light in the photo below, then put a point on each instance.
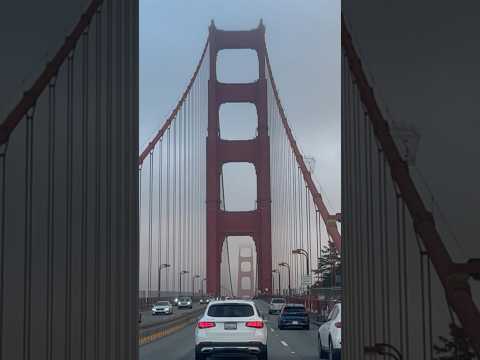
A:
(205, 324)
(254, 324)
(338, 324)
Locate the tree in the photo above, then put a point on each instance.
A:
(457, 347)
(329, 264)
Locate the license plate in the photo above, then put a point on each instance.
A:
(230, 326)
(294, 322)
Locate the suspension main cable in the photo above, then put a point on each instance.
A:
(329, 220)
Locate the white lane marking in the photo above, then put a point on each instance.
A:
(284, 343)
(293, 352)
(272, 330)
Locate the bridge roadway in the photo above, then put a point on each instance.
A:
(149, 319)
(282, 345)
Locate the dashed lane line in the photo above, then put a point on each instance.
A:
(284, 343)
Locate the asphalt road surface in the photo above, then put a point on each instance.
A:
(282, 345)
(148, 318)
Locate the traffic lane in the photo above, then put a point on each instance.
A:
(282, 345)
(302, 344)
(181, 346)
(148, 318)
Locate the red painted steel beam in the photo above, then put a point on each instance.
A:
(237, 93)
(329, 219)
(453, 279)
(238, 223)
(151, 145)
(237, 151)
(239, 39)
(31, 96)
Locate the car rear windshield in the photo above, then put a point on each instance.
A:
(294, 310)
(278, 301)
(231, 310)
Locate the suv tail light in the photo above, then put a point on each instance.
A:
(205, 324)
(338, 324)
(254, 324)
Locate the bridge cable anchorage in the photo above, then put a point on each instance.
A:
(453, 277)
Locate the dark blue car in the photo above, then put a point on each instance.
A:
(293, 316)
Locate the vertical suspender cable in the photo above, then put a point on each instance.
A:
(405, 283)
(27, 280)
(84, 206)
(3, 166)
(160, 215)
(167, 210)
(50, 215)
(119, 242)
(98, 118)
(108, 180)
(399, 255)
(69, 208)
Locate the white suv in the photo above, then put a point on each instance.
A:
(330, 334)
(231, 327)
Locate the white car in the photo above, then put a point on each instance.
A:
(233, 327)
(162, 307)
(184, 302)
(330, 335)
(276, 305)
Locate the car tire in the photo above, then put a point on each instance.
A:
(263, 355)
(280, 327)
(322, 354)
(199, 355)
(307, 327)
(333, 354)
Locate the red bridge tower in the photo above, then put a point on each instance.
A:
(256, 223)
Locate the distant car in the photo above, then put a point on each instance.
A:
(276, 305)
(330, 335)
(162, 307)
(293, 316)
(233, 327)
(184, 302)
(204, 300)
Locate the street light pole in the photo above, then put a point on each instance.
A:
(279, 283)
(162, 266)
(193, 284)
(203, 280)
(304, 253)
(289, 277)
(183, 272)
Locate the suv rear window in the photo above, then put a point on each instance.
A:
(230, 310)
(278, 301)
(294, 309)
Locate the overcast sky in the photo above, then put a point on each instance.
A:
(303, 40)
